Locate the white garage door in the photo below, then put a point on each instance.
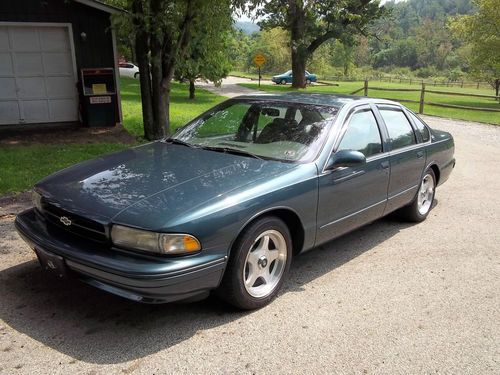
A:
(37, 77)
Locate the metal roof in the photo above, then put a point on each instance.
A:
(101, 6)
(335, 100)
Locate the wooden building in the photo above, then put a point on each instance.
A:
(44, 45)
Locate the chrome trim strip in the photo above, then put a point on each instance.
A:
(407, 148)
(349, 176)
(402, 192)
(353, 214)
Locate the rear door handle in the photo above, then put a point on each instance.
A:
(385, 164)
(420, 154)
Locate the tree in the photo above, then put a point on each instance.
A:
(312, 23)
(207, 55)
(162, 35)
(482, 32)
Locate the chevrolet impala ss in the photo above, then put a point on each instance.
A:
(226, 202)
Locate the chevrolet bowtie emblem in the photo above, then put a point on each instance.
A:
(65, 220)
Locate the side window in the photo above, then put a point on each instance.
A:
(400, 130)
(362, 134)
(422, 129)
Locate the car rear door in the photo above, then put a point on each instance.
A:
(351, 197)
(407, 156)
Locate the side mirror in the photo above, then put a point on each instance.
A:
(345, 158)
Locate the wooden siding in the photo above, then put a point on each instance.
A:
(95, 52)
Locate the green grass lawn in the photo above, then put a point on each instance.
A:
(348, 87)
(182, 109)
(23, 165)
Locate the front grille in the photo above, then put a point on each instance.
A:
(78, 225)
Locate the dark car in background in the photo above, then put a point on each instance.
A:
(287, 77)
(227, 202)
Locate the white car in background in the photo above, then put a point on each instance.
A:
(128, 69)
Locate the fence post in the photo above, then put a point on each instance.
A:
(366, 87)
(422, 97)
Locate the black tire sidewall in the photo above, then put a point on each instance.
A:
(237, 259)
(412, 213)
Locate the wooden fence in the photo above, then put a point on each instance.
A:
(411, 81)
(422, 101)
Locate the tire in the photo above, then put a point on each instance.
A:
(258, 264)
(308, 81)
(421, 205)
(283, 81)
(136, 75)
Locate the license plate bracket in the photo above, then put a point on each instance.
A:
(52, 263)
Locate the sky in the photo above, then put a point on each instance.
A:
(245, 18)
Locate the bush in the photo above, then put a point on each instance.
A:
(426, 72)
(455, 74)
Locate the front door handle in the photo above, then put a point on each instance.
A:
(420, 154)
(385, 164)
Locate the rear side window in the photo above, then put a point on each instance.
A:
(422, 129)
(362, 134)
(400, 131)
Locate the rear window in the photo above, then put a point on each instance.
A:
(422, 128)
(400, 131)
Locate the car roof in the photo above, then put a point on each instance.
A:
(333, 100)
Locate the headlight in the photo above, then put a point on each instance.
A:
(36, 198)
(160, 243)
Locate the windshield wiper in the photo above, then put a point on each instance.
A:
(178, 142)
(233, 151)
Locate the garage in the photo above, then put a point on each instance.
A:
(44, 48)
(37, 74)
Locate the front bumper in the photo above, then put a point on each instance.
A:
(142, 278)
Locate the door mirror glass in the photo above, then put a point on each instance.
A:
(345, 158)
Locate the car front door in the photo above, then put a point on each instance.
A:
(350, 197)
(407, 157)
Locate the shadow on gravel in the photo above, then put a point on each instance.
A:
(96, 327)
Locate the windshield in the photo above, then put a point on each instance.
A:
(263, 129)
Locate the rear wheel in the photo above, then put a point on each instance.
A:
(418, 210)
(308, 81)
(283, 81)
(136, 75)
(258, 264)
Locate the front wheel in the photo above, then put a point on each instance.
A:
(418, 210)
(258, 264)
(308, 81)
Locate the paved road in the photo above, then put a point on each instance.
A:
(390, 298)
(230, 87)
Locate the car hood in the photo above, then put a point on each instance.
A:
(157, 179)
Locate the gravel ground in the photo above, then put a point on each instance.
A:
(390, 298)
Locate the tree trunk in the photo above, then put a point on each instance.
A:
(192, 89)
(141, 51)
(497, 86)
(298, 50)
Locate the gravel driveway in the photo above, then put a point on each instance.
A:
(390, 298)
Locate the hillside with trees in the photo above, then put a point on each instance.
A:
(412, 39)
